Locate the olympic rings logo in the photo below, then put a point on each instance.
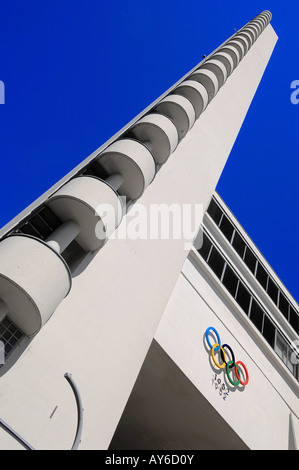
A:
(225, 363)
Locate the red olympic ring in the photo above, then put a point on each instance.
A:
(246, 373)
(229, 364)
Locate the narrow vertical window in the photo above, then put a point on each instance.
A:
(216, 262)
(250, 259)
(238, 244)
(206, 247)
(294, 319)
(283, 305)
(226, 228)
(256, 314)
(281, 347)
(261, 275)
(230, 280)
(214, 211)
(272, 290)
(269, 331)
(243, 297)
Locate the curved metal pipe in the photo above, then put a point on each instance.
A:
(15, 435)
(77, 440)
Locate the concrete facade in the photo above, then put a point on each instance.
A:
(126, 293)
(265, 413)
(191, 404)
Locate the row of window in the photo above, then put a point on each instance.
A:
(41, 224)
(257, 269)
(236, 287)
(10, 337)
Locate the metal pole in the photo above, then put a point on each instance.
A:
(115, 180)
(60, 239)
(15, 435)
(79, 409)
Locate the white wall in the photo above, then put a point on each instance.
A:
(259, 412)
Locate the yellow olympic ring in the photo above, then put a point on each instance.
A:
(213, 356)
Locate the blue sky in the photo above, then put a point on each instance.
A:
(76, 72)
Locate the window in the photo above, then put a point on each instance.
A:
(257, 269)
(250, 259)
(226, 228)
(272, 290)
(243, 297)
(28, 229)
(214, 211)
(50, 218)
(238, 244)
(256, 314)
(281, 347)
(40, 225)
(10, 335)
(261, 275)
(284, 305)
(216, 262)
(206, 247)
(251, 307)
(285, 353)
(95, 169)
(230, 280)
(269, 331)
(294, 319)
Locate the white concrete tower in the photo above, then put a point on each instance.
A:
(77, 296)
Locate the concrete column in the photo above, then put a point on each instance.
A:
(115, 180)
(60, 239)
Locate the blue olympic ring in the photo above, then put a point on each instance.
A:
(218, 337)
